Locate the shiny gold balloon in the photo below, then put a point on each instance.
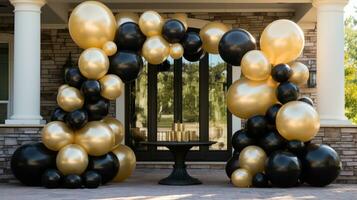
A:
(56, 135)
(91, 24)
(246, 98)
(242, 178)
(300, 73)
(117, 128)
(176, 51)
(211, 34)
(182, 17)
(70, 99)
(72, 159)
(62, 87)
(111, 86)
(93, 63)
(255, 66)
(124, 17)
(150, 23)
(282, 41)
(96, 138)
(127, 161)
(297, 120)
(155, 50)
(109, 48)
(253, 159)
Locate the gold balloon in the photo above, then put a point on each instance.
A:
(255, 66)
(70, 99)
(62, 87)
(72, 159)
(111, 86)
(127, 161)
(241, 178)
(109, 48)
(91, 24)
(96, 138)
(155, 50)
(124, 17)
(182, 17)
(300, 73)
(151, 23)
(176, 51)
(93, 63)
(117, 128)
(211, 34)
(246, 98)
(253, 159)
(297, 120)
(56, 135)
(282, 41)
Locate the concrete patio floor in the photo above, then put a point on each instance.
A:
(143, 185)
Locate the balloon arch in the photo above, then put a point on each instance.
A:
(82, 145)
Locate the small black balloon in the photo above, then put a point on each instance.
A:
(260, 180)
(127, 65)
(73, 77)
(307, 100)
(283, 169)
(72, 181)
(173, 31)
(241, 139)
(297, 147)
(58, 115)
(30, 161)
(234, 44)
(256, 126)
(271, 113)
(129, 37)
(107, 166)
(97, 110)
(91, 90)
(77, 119)
(194, 57)
(271, 141)
(191, 43)
(232, 164)
(287, 92)
(51, 178)
(91, 179)
(281, 72)
(164, 67)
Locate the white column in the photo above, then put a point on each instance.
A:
(330, 62)
(27, 47)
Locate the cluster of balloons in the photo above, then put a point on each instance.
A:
(82, 146)
(275, 146)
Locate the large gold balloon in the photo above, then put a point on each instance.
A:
(211, 34)
(151, 23)
(282, 41)
(72, 159)
(300, 73)
(109, 48)
(253, 159)
(297, 120)
(246, 98)
(93, 63)
(124, 17)
(96, 138)
(127, 161)
(155, 50)
(56, 135)
(176, 51)
(70, 99)
(241, 178)
(117, 128)
(255, 66)
(182, 17)
(62, 87)
(111, 86)
(91, 24)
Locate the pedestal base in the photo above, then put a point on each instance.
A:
(179, 176)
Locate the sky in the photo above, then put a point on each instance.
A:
(350, 9)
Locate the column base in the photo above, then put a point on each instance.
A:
(328, 122)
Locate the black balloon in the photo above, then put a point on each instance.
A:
(58, 115)
(91, 90)
(283, 169)
(271, 141)
(271, 113)
(257, 126)
(307, 100)
(173, 31)
(97, 110)
(281, 73)
(51, 178)
(30, 161)
(127, 65)
(194, 57)
(260, 180)
(241, 139)
(191, 43)
(297, 147)
(164, 67)
(73, 77)
(287, 92)
(77, 119)
(321, 165)
(91, 179)
(129, 37)
(107, 166)
(72, 181)
(234, 44)
(232, 164)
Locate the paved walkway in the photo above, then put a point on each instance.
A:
(143, 185)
